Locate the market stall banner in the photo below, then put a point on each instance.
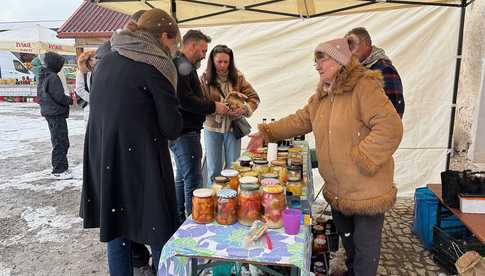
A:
(277, 59)
(35, 40)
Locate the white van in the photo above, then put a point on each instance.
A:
(12, 68)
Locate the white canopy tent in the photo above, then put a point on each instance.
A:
(35, 40)
(422, 40)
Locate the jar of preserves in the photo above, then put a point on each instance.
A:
(250, 173)
(249, 201)
(295, 156)
(269, 182)
(226, 207)
(261, 166)
(233, 176)
(248, 180)
(319, 244)
(220, 182)
(294, 186)
(245, 161)
(273, 203)
(243, 170)
(203, 206)
(259, 154)
(294, 172)
(269, 175)
(279, 167)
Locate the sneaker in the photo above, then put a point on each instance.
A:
(63, 175)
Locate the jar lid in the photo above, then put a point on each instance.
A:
(227, 193)
(244, 159)
(251, 173)
(229, 173)
(221, 179)
(294, 168)
(295, 150)
(203, 192)
(261, 162)
(282, 149)
(294, 179)
(278, 163)
(248, 180)
(269, 175)
(269, 181)
(249, 187)
(273, 189)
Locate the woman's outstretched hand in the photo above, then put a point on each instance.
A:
(256, 142)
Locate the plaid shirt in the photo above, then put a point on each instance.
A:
(392, 84)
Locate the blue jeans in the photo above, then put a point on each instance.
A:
(120, 261)
(219, 146)
(188, 155)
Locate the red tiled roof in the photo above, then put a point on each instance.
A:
(91, 20)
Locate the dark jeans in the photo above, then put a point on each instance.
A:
(60, 143)
(120, 261)
(188, 155)
(361, 237)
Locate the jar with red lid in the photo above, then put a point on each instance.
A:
(226, 207)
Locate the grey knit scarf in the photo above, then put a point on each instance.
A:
(375, 55)
(143, 47)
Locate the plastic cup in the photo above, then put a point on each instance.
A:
(291, 221)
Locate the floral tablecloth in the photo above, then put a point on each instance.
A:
(226, 242)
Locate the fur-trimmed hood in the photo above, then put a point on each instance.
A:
(348, 77)
(83, 60)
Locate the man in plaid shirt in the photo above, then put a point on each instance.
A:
(374, 58)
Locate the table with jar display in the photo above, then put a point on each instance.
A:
(212, 237)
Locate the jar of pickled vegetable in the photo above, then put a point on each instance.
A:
(269, 182)
(261, 166)
(226, 207)
(294, 185)
(220, 182)
(273, 203)
(203, 206)
(233, 176)
(248, 180)
(279, 167)
(249, 201)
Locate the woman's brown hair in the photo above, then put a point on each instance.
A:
(156, 22)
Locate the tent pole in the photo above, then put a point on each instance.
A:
(456, 82)
(173, 10)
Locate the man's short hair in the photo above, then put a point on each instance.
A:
(137, 15)
(196, 36)
(362, 34)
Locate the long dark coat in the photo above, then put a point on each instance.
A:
(128, 184)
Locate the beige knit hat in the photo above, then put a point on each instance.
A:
(338, 49)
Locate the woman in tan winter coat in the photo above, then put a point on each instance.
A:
(222, 82)
(356, 131)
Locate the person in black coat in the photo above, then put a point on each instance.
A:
(54, 106)
(128, 184)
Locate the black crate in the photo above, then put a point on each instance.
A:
(449, 243)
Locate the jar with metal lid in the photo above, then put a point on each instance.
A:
(282, 154)
(268, 182)
(233, 176)
(274, 204)
(226, 207)
(203, 206)
(269, 175)
(250, 173)
(294, 172)
(248, 180)
(279, 167)
(249, 201)
(261, 166)
(295, 156)
(220, 182)
(245, 161)
(294, 186)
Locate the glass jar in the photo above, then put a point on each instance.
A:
(294, 172)
(203, 206)
(318, 230)
(273, 203)
(319, 244)
(233, 176)
(226, 207)
(243, 170)
(269, 175)
(295, 156)
(279, 167)
(250, 173)
(220, 182)
(269, 182)
(261, 166)
(248, 180)
(245, 161)
(294, 186)
(249, 201)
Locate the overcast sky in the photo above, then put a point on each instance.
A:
(33, 10)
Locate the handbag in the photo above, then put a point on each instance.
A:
(240, 127)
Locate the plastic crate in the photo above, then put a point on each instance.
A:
(450, 243)
(425, 211)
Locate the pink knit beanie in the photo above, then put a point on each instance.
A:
(338, 49)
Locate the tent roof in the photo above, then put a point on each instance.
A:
(220, 12)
